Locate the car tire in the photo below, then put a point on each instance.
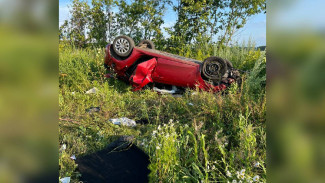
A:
(229, 64)
(123, 46)
(149, 44)
(214, 68)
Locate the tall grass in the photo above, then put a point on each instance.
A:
(199, 137)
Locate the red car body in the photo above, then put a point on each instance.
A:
(159, 67)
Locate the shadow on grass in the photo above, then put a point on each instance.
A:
(121, 161)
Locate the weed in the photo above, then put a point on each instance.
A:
(211, 137)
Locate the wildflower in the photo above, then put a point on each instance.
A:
(241, 174)
(63, 147)
(158, 127)
(234, 181)
(213, 167)
(240, 181)
(154, 132)
(157, 147)
(256, 178)
(257, 164)
(228, 174)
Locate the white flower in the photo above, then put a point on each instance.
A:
(234, 181)
(63, 147)
(228, 174)
(154, 132)
(256, 178)
(241, 174)
(158, 127)
(257, 164)
(240, 181)
(157, 147)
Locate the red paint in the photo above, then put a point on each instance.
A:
(161, 67)
(142, 74)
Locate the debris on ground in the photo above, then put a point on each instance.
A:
(73, 157)
(164, 91)
(93, 109)
(65, 180)
(121, 161)
(123, 121)
(194, 93)
(93, 90)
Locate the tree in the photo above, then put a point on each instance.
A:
(191, 25)
(200, 20)
(78, 22)
(64, 30)
(98, 23)
(141, 19)
(235, 16)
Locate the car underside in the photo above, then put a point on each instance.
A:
(143, 66)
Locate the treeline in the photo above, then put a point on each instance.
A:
(197, 22)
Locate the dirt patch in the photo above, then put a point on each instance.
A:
(115, 165)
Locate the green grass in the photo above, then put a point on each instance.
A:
(220, 134)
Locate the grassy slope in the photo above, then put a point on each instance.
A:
(185, 142)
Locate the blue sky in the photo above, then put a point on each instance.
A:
(255, 29)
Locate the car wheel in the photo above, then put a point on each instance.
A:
(123, 46)
(214, 68)
(147, 44)
(229, 64)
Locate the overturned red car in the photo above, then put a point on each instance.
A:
(142, 66)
